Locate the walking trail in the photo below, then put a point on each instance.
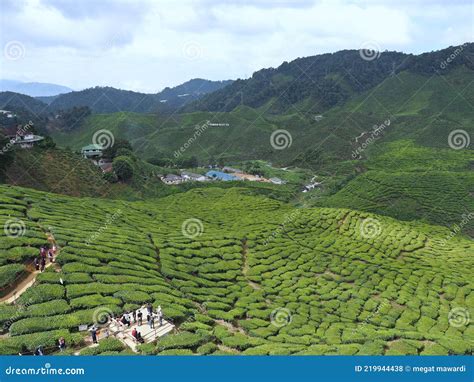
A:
(25, 283)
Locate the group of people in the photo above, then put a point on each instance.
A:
(45, 252)
(136, 317)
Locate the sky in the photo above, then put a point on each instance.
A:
(146, 45)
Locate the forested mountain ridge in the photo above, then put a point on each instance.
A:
(320, 82)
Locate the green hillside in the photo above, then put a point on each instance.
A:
(417, 106)
(410, 182)
(238, 274)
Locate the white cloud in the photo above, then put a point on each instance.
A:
(142, 44)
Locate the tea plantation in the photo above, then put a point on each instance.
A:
(237, 274)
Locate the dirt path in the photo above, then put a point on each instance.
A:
(30, 279)
(245, 265)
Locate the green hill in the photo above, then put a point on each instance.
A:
(410, 182)
(417, 106)
(239, 274)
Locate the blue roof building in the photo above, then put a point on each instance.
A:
(218, 175)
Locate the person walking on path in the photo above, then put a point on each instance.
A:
(134, 316)
(149, 308)
(152, 322)
(94, 334)
(159, 313)
(43, 263)
(50, 256)
(37, 264)
(62, 344)
(140, 318)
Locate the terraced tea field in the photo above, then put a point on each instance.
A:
(237, 274)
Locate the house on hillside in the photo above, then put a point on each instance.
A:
(28, 140)
(230, 169)
(93, 152)
(218, 175)
(191, 177)
(172, 179)
(277, 181)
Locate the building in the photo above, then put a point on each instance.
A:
(277, 181)
(218, 175)
(191, 177)
(28, 140)
(172, 179)
(93, 152)
(230, 169)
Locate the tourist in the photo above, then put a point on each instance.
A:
(139, 337)
(37, 264)
(148, 319)
(134, 316)
(152, 322)
(149, 308)
(43, 252)
(160, 317)
(51, 256)
(43, 264)
(139, 317)
(62, 344)
(54, 249)
(125, 321)
(106, 333)
(94, 334)
(39, 350)
(134, 333)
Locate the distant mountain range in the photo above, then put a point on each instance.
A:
(317, 83)
(110, 100)
(33, 89)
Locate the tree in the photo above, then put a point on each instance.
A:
(111, 152)
(123, 168)
(7, 155)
